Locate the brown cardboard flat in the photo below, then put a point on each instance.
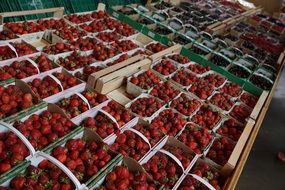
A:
(119, 96)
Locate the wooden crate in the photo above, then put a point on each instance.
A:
(114, 76)
(57, 13)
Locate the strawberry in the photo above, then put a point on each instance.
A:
(165, 67)
(179, 58)
(222, 100)
(232, 89)
(184, 78)
(124, 45)
(199, 69)
(249, 99)
(70, 33)
(164, 91)
(155, 47)
(240, 112)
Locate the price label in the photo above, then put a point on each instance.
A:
(116, 15)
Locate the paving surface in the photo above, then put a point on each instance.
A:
(262, 170)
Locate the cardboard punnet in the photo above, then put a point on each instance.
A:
(88, 135)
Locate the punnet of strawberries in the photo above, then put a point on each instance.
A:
(13, 100)
(168, 122)
(231, 89)
(185, 105)
(179, 58)
(146, 106)
(121, 115)
(122, 178)
(202, 89)
(13, 151)
(85, 44)
(195, 137)
(67, 81)
(58, 48)
(101, 124)
(44, 176)
(163, 169)
(215, 79)
(44, 87)
(198, 69)
(94, 98)
(152, 134)
(165, 67)
(156, 47)
(23, 48)
(145, 80)
(75, 61)
(70, 33)
(184, 157)
(6, 53)
(184, 78)
(124, 45)
(73, 105)
(221, 150)
(206, 117)
(208, 173)
(165, 91)
(231, 129)
(79, 18)
(249, 99)
(241, 112)
(43, 129)
(24, 27)
(130, 144)
(88, 70)
(52, 23)
(83, 158)
(222, 100)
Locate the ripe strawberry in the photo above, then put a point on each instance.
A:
(99, 15)
(124, 29)
(85, 44)
(23, 48)
(145, 80)
(164, 91)
(168, 122)
(121, 178)
(130, 144)
(146, 106)
(6, 53)
(196, 138)
(206, 117)
(102, 52)
(94, 98)
(185, 105)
